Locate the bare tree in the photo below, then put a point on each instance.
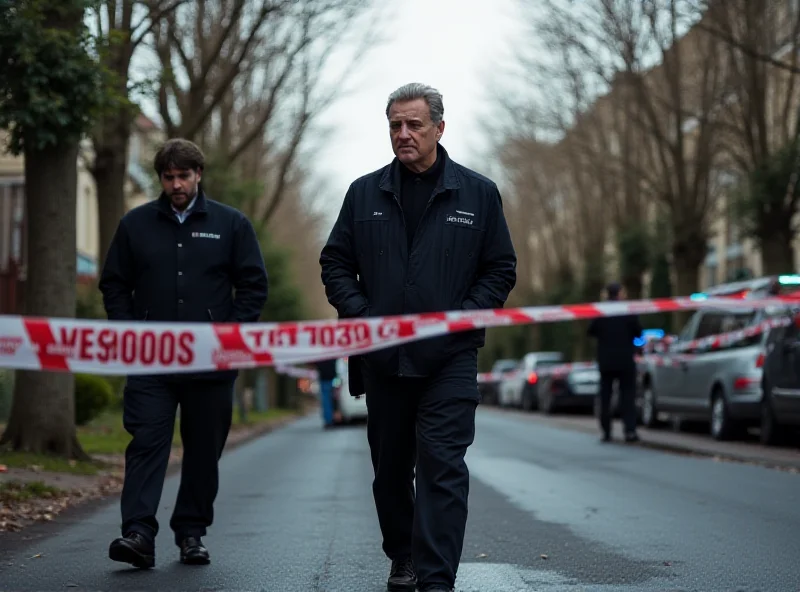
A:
(673, 88)
(256, 75)
(761, 42)
(121, 27)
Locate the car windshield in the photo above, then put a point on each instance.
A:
(505, 365)
(548, 363)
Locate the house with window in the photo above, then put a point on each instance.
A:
(139, 187)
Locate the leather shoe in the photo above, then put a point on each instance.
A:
(193, 552)
(133, 548)
(402, 577)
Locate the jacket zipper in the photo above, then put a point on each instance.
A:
(210, 316)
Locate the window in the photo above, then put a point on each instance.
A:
(710, 324)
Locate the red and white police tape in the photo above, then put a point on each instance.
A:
(127, 348)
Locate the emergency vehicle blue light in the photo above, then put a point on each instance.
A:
(698, 296)
(792, 280)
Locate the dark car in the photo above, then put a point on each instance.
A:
(573, 388)
(780, 404)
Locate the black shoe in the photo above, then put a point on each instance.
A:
(133, 548)
(631, 438)
(193, 552)
(402, 577)
(438, 589)
(606, 437)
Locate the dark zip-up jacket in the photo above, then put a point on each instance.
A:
(209, 268)
(461, 257)
(615, 348)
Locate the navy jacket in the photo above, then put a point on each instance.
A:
(615, 348)
(461, 257)
(210, 268)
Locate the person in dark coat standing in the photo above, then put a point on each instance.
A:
(422, 234)
(326, 374)
(178, 258)
(616, 362)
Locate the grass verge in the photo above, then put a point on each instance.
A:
(105, 435)
(15, 491)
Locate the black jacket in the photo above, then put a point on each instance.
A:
(615, 347)
(461, 257)
(158, 269)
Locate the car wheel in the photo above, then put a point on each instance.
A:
(771, 431)
(527, 403)
(649, 408)
(723, 427)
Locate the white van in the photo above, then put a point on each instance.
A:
(351, 409)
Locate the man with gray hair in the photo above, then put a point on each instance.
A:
(423, 234)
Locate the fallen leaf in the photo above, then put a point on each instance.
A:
(668, 563)
(543, 556)
(37, 556)
(481, 556)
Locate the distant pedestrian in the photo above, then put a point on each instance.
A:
(422, 234)
(327, 373)
(616, 361)
(177, 259)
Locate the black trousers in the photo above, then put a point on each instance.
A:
(627, 398)
(423, 427)
(150, 405)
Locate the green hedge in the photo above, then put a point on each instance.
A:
(93, 395)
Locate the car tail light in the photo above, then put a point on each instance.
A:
(743, 382)
(760, 360)
(533, 378)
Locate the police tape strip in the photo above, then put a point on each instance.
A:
(136, 347)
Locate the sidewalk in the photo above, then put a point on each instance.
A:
(752, 452)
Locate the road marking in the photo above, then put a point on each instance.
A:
(502, 577)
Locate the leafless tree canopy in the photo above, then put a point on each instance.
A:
(251, 76)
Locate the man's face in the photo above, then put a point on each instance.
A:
(180, 185)
(413, 134)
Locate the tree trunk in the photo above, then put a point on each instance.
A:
(634, 286)
(109, 171)
(777, 256)
(687, 280)
(43, 410)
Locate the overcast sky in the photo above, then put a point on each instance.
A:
(455, 46)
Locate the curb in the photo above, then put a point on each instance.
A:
(686, 449)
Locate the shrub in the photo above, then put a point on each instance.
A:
(93, 395)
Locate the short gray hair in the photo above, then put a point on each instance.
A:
(417, 90)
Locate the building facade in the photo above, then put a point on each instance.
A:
(140, 185)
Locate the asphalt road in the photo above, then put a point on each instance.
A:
(552, 510)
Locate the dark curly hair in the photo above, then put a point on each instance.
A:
(178, 154)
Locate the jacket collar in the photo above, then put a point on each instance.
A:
(390, 179)
(165, 207)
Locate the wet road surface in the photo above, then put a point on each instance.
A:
(552, 510)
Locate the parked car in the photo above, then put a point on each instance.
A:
(717, 385)
(490, 389)
(348, 409)
(520, 388)
(573, 388)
